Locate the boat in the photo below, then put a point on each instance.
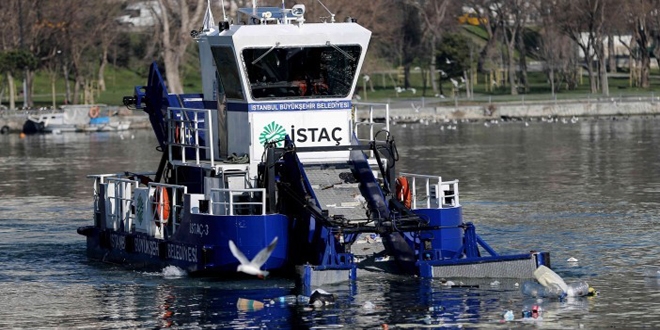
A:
(73, 118)
(104, 124)
(272, 147)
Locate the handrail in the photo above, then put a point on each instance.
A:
(123, 199)
(224, 197)
(372, 107)
(159, 205)
(432, 192)
(184, 129)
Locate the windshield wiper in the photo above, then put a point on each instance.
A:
(266, 53)
(349, 56)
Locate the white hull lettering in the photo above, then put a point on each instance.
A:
(184, 253)
(118, 242)
(199, 229)
(147, 247)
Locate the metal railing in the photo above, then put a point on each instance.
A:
(430, 191)
(184, 133)
(249, 201)
(122, 198)
(369, 123)
(163, 198)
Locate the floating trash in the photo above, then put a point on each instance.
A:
(249, 305)
(368, 305)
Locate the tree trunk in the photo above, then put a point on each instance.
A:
(552, 80)
(79, 84)
(611, 55)
(29, 79)
(67, 83)
(434, 84)
(605, 87)
(645, 70)
(424, 74)
(590, 70)
(512, 69)
(172, 74)
(102, 65)
(522, 52)
(406, 76)
(53, 78)
(176, 38)
(12, 91)
(492, 30)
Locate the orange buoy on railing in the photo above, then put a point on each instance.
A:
(403, 192)
(94, 112)
(161, 205)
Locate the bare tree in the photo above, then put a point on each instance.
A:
(641, 22)
(583, 22)
(176, 20)
(432, 13)
(488, 19)
(512, 16)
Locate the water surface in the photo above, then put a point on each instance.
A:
(588, 190)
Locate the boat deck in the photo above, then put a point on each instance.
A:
(337, 191)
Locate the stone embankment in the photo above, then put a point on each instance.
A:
(516, 110)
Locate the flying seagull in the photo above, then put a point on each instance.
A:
(253, 267)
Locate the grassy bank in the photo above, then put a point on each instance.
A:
(120, 83)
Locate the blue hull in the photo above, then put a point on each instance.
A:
(200, 245)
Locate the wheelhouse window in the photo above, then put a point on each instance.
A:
(230, 81)
(301, 72)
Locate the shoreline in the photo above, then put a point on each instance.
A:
(512, 111)
(400, 113)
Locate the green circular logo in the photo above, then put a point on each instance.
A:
(140, 209)
(273, 132)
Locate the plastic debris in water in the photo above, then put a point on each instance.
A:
(534, 289)
(321, 297)
(291, 300)
(571, 259)
(368, 305)
(508, 315)
(249, 305)
(578, 289)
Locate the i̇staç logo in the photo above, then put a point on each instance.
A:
(272, 132)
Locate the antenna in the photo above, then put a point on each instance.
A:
(224, 14)
(332, 16)
(209, 22)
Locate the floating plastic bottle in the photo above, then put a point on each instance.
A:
(292, 299)
(535, 289)
(302, 299)
(436, 309)
(577, 289)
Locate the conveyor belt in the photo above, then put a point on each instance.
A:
(337, 191)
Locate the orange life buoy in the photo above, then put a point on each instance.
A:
(403, 192)
(161, 205)
(94, 112)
